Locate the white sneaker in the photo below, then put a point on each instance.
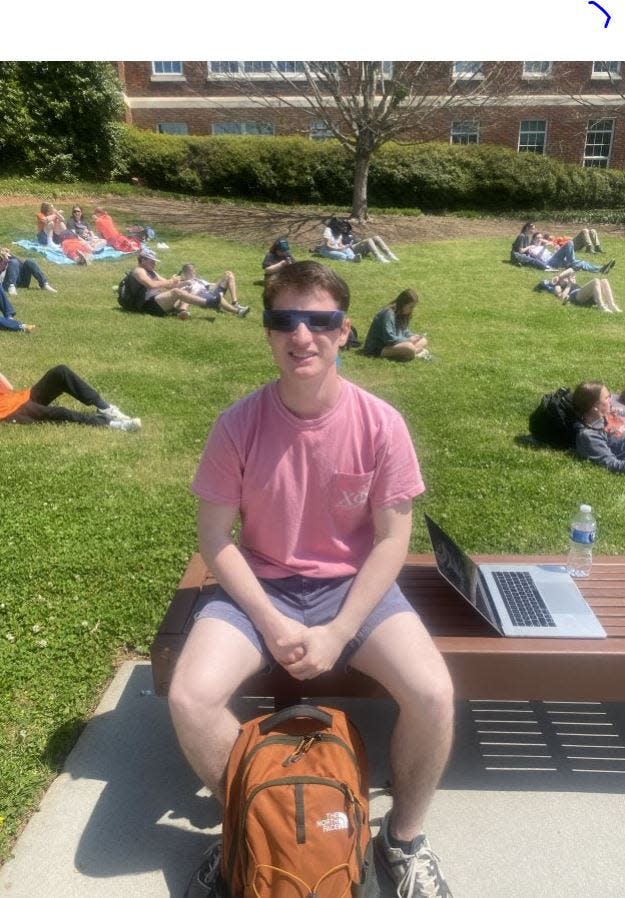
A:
(12, 290)
(393, 257)
(129, 424)
(382, 259)
(50, 289)
(242, 311)
(113, 413)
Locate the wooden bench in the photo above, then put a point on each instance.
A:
(482, 665)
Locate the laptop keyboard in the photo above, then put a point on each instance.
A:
(522, 600)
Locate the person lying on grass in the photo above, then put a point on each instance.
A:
(389, 336)
(596, 292)
(32, 405)
(544, 254)
(213, 294)
(153, 295)
(593, 405)
(18, 273)
(8, 321)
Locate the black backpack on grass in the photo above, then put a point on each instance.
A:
(130, 293)
(553, 421)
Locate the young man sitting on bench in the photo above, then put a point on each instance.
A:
(322, 475)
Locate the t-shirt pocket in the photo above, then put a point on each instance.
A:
(349, 493)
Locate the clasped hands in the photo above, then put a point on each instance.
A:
(305, 652)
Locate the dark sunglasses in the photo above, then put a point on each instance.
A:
(289, 319)
(76, 210)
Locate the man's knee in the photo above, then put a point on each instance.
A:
(431, 694)
(189, 699)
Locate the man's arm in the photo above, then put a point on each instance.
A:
(324, 644)
(233, 573)
(140, 275)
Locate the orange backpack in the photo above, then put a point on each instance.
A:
(296, 821)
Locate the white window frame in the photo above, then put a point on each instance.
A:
(588, 160)
(319, 130)
(528, 148)
(464, 128)
(243, 132)
(164, 125)
(274, 73)
(167, 76)
(610, 72)
(545, 73)
(475, 73)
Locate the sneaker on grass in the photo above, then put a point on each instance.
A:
(11, 290)
(49, 288)
(206, 881)
(113, 413)
(415, 875)
(129, 424)
(242, 311)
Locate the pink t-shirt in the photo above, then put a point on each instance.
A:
(305, 487)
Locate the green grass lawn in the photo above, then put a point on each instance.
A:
(97, 526)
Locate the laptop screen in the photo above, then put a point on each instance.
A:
(461, 572)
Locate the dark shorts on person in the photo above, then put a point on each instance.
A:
(312, 601)
(151, 307)
(42, 238)
(212, 298)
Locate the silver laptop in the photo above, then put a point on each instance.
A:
(516, 599)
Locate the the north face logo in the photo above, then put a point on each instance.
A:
(333, 820)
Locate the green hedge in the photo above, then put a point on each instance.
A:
(432, 176)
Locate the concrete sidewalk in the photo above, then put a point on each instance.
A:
(126, 818)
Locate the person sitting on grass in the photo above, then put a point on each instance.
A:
(332, 246)
(213, 294)
(389, 336)
(32, 405)
(8, 321)
(541, 253)
(596, 292)
(18, 273)
(373, 246)
(279, 256)
(50, 224)
(153, 295)
(592, 404)
(77, 223)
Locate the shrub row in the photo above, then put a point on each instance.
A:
(433, 176)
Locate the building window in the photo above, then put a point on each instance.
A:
(532, 136)
(256, 69)
(319, 130)
(467, 70)
(172, 128)
(598, 143)
(536, 69)
(259, 129)
(465, 132)
(606, 69)
(167, 68)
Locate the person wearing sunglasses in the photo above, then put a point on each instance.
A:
(322, 476)
(77, 224)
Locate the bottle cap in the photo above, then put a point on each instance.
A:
(585, 509)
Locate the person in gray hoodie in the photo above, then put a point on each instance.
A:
(592, 403)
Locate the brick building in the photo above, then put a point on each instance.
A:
(573, 111)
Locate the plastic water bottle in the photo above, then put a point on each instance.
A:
(583, 530)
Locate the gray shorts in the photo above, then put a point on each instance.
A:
(310, 600)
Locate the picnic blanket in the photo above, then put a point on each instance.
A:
(57, 255)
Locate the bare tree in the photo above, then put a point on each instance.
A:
(366, 104)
